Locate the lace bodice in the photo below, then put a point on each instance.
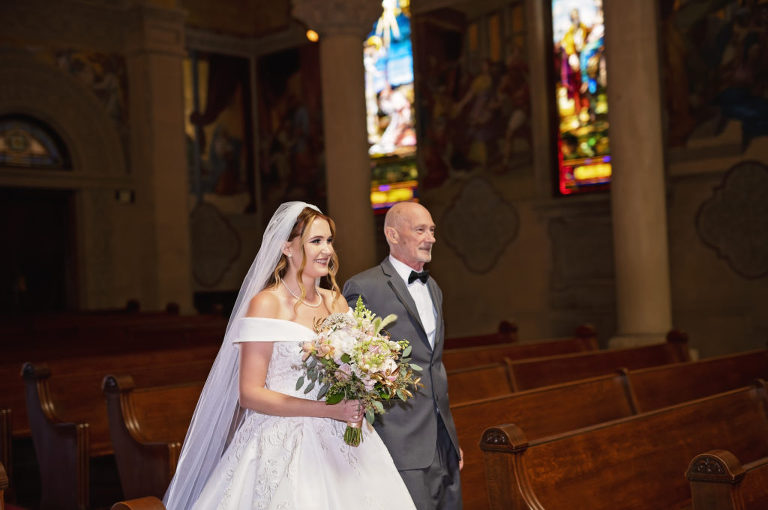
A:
(285, 368)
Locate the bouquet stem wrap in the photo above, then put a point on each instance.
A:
(353, 434)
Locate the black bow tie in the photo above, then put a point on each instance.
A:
(418, 276)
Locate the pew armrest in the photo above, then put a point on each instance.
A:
(66, 463)
(146, 465)
(3, 486)
(147, 503)
(719, 481)
(506, 479)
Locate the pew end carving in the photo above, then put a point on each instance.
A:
(57, 443)
(147, 427)
(719, 481)
(4, 484)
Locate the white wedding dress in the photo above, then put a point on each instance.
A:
(302, 463)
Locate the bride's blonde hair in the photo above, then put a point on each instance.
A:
(304, 220)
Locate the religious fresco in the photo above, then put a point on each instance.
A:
(103, 74)
(715, 68)
(583, 147)
(290, 124)
(219, 133)
(472, 85)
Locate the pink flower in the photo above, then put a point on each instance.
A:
(308, 349)
(344, 372)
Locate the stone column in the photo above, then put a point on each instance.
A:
(638, 200)
(155, 51)
(342, 25)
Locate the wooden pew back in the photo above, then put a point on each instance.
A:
(540, 412)
(482, 381)
(666, 385)
(635, 462)
(538, 372)
(482, 355)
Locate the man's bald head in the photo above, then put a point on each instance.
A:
(410, 233)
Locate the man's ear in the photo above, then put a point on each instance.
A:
(391, 234)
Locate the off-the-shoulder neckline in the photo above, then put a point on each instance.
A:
(280, 320)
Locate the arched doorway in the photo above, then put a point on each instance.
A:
(37, 270)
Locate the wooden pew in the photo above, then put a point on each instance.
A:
(483, 355)
(634, 463)
(559, 408)
(147, 427)
(538, 372)
(466, 384)
(3, 486)
(540, 412)
(506, 333)
(720, 482)
(666, 385)
(187, 332)
(68, 419)
(146, 503)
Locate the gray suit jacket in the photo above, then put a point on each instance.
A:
(409, 429)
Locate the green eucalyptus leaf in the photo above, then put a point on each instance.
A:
(407, 351)
(323, 391)
(370, 416)
(334, 398)
(416, 367)
(299, 383)
(378, 406)
(309, 388)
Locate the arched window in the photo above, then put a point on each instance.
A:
(28, 143)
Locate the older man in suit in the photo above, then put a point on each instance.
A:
(419, 433)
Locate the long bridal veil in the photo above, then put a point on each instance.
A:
(217, 413)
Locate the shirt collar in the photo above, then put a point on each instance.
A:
(403, 269)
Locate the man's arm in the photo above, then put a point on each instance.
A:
(351, 292)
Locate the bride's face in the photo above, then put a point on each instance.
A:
(317, 243)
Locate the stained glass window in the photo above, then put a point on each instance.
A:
(28, 143)
(389, 98)
(583, 148)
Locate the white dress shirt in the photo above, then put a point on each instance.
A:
(420, 294)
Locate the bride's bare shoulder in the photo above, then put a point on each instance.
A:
(265, 304)
(336, 301)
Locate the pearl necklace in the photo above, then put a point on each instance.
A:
(303, 301)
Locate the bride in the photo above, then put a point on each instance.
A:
(254, 440)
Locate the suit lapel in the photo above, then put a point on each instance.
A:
(437, 302)
(397, 285)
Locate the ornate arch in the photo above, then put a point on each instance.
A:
(31, 87)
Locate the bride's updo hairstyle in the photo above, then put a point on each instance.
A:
(305, 219)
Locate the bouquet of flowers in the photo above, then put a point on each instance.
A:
(353, 358)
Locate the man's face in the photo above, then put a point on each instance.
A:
(416, 236)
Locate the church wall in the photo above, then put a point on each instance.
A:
(66, 64)
(718, 226)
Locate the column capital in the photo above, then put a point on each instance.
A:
(336, 17)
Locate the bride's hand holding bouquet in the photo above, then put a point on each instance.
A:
(353, 358)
